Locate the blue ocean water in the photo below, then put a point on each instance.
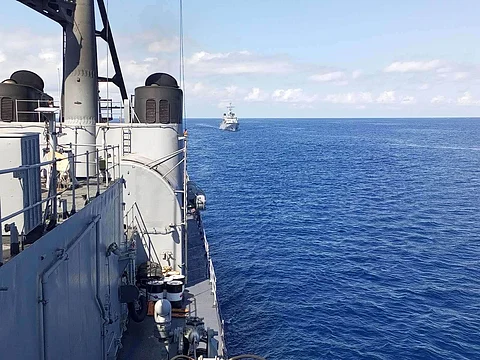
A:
(344, 238)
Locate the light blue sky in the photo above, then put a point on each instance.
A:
(302, 58)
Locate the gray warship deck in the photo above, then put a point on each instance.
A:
(83, 194)
(139, 341)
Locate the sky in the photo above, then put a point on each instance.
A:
(302, 58)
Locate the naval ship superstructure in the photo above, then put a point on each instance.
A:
(104, 254)
(229, 120)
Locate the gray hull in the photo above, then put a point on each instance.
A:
(47, 290)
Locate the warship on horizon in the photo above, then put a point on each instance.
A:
(230, 120)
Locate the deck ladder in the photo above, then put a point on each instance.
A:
(126, 140)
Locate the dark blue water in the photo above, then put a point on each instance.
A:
(345, 239)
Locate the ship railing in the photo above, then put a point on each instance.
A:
(23, 110)
(213, 282)
(111, 111)
(108, 111)
(117, 111)
(134, 220)
(69, 191)
(107, 164)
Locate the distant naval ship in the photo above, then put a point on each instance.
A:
(104, 253)
(230, 120)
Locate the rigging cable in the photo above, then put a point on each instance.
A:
(182, 68)
(108, 53)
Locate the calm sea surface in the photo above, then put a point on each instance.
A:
(344, 238)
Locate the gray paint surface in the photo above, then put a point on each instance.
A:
(18, 191)
(66, 260)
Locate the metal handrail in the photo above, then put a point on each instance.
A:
(110, 109)
(213, 282)
(53, 193)
(213, 278)
(28, 167)
(24, 168)
(107, 109)
(37, 102)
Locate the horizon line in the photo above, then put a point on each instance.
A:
(364, 117)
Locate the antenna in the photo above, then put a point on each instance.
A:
(60, 112)
(108, 55)
(182, 68)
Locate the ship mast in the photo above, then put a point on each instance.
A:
(230, 107)
(80, 78)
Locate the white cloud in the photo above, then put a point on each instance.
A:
(461, 75)
(231, 90)
(457, 72)
(137, 67)
(164, 45)
(241, 62)
(412, 66)
(440, 99)
(292, 96)
(330, 76)
(349, 98)
(25, 41)
(23, 49)
(49, 55)
(200, 90)
(387, 97)
(134, 71)
(223, 104)
(301, 106)
(443, 70)
(195, 88)
(467, 99)
(363, 98)
(356, 74)
(255, 95)
(43, 55)
(205, 56)
(407, 100)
